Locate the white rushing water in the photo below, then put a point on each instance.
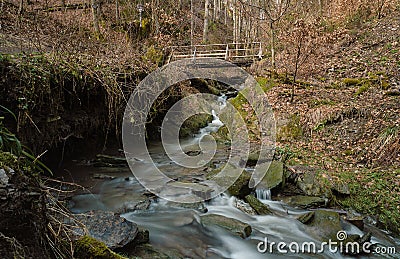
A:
(263, 194)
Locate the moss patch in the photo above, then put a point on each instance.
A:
(375, 193)
(90, 248)
(292, 130)
(351, 81)
(257, 205)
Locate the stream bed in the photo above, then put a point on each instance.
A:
(180, 230)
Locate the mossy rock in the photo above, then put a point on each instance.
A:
(222, 135)
(325, 224)
(232, 225)
(291, 130)
(311, 183)
(240, 188)
(306, 217)
(257, 205)
(300, 201)
(108, 227)
(274, 176)
(252, 159)
(194, 123)
(89, 248)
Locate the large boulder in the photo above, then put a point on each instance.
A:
(324, 224)
(232, 225)
(109, 228)
(273, 177)
(225, 174)
(310, 182)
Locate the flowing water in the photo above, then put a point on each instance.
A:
(177, 230)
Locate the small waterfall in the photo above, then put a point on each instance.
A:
(263, 194)
(215, 124)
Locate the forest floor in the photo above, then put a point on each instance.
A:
(345, 118)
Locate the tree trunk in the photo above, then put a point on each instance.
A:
(154, 16)
(272, 32)
(296, 68)
(117, 11)
(191, 23)
(206, 17)
(226, 12)
(95, 12)
(320, 7)
(235, 24)
(214, 10)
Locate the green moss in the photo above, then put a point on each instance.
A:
(246, 112)
(266, 84)
(240, 187)
(292, 130)
(238, 103)
(351, 81)
(8, 160)
(153, 55)
(222, 135)
(194, 123)
(321, 102)
(375, 193)
(89, 248)
(257, 205)
(366, 84)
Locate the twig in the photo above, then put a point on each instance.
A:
(34, 124)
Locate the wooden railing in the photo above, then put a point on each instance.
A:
(234, 52)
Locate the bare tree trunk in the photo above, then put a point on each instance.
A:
(320, 7)
(272, 32)
(226, 12)
(296, 68)
(154, 15)
(239, 32)
(95, 12)
(214, 10)
(191, 22)
(234, 25)
(206, 17)
(117, 11)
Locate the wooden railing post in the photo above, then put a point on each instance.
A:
(194, 54)
(227, 52)
(260, 51)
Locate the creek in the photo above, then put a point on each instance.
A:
(177, 230)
